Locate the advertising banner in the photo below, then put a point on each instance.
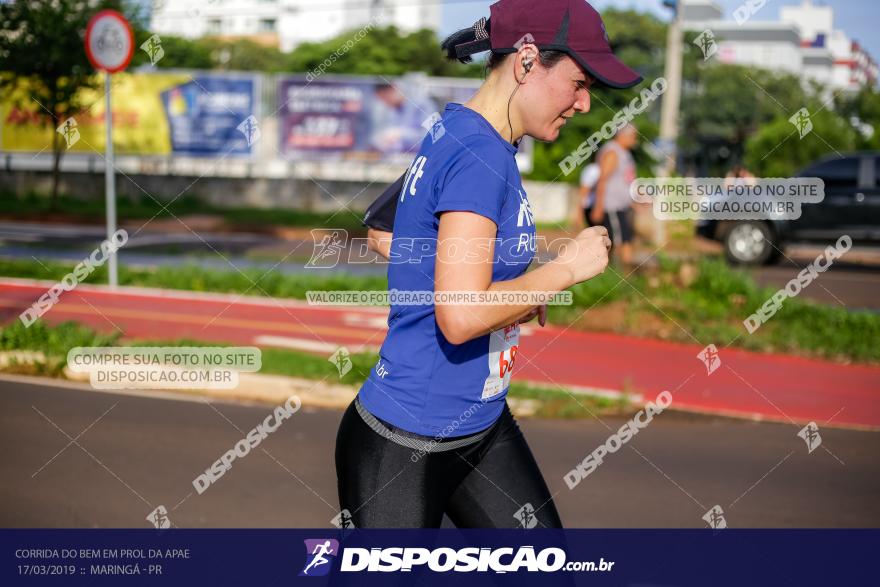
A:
(361, 118)
(153, 114)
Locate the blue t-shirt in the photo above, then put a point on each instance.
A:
(422, 383)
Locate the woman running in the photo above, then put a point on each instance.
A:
(430, 432)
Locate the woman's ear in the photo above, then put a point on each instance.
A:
(525, 61)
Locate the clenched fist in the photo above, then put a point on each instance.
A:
(586, 255)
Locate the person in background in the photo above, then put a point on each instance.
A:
(584, 200)
(739, 175)
(612, 204)
(396, 119)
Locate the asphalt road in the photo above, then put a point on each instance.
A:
(849, 286)
(133, 453)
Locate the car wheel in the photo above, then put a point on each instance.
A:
(750, 243)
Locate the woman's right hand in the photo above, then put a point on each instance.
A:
(586, 255)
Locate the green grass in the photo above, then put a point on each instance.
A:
(255, 282)
(56, 341)
(711, 308)
(35, 206)
(53, 341)
(560, 403)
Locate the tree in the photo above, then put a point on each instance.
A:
(723, 105)
(43, 60)
(179, 53)
(384, 51)
(243, 55)
(381, 51)
(864, 105)
(777, 149)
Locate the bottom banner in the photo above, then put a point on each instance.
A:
(633, 558)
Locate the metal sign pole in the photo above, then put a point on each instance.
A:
(109, 46)
(110, 184)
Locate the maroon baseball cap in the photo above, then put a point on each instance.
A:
(571, 26)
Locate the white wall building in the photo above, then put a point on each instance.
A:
(287, 23)
(852, 67)
(803, 42)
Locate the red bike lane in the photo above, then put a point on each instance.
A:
(743, 384)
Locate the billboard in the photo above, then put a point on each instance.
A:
(153, 114)
(214, 115)
(360, 118)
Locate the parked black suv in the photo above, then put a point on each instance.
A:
(851, 206)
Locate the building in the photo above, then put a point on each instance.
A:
(287, 23)
(803, 42)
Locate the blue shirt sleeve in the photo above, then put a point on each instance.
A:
(476, 180)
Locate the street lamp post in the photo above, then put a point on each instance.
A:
(670, 103)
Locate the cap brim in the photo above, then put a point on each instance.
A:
(608, 70)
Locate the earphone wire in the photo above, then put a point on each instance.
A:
(509, 100)
(527, 65)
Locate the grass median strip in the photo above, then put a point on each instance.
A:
(191, 277)
(54, 342)
(703, 302)
(35, 206)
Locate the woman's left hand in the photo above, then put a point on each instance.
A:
(539, 311)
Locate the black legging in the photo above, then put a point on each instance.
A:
(492, 483)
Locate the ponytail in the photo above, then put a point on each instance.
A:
(460, 45)
(457, 38)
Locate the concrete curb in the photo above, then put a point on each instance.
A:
(275, 389)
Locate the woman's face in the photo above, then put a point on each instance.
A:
(552, 96)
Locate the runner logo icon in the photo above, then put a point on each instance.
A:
(320, 553)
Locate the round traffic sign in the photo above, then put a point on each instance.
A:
(109, 41)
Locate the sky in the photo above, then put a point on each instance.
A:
(858, 18)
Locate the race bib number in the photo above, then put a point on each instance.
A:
(503, 344)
